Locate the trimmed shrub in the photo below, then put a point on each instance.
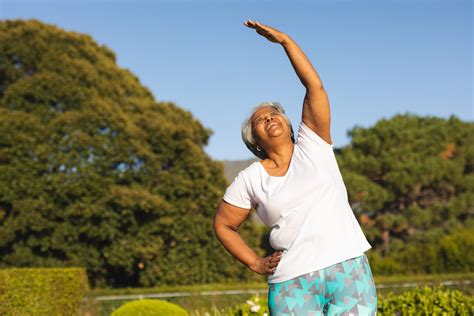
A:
(427, 301)
(421, 301)
(42, 291)
(149, 307)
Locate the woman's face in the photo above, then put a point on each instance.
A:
(268, 123)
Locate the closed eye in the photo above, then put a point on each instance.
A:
(260, 119)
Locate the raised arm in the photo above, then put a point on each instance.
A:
(316, 111)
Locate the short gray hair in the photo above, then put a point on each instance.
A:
(247, 130)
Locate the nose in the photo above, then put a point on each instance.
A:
(268, 121)
(269, 117)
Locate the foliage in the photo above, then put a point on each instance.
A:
(421, 301)
(41, 291)
(410, 182)
(148, 307)
(257, 305)
(453, 252)
(427, 301)
(96, 173)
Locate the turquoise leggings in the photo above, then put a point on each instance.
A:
(345, 288)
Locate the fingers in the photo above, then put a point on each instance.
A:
(260, 25)
(253, 24)
(250, 24)
(260, 28)
(273, 261)
(277, 254)
(276, 259)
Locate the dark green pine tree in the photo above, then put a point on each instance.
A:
(410, 180)
(95, 173)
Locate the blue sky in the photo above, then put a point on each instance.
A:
(375, 58)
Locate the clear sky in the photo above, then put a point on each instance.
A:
(375, 58)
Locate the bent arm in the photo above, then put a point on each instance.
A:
(227, 220)
(316, 111)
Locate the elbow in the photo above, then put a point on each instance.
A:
(216, 225)
(220, 227)
(314, 86)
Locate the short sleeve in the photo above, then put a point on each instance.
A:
(238, 193)
(307, 135)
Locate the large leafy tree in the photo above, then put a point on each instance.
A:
(95, 173)
(410, 179)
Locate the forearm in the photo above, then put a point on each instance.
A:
(236, 246)
(303, 68)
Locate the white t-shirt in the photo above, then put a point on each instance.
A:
(307, 208)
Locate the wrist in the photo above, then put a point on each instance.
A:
(285, 39)
(254, 264)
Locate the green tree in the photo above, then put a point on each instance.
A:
(410, 180)
(96, 173)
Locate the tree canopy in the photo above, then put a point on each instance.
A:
(410, 181)
(96, 173)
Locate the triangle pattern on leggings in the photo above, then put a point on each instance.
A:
(342, 289)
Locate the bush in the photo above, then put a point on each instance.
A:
(383, 265)
(42, 291)
(441, 254)
(427, 301)
(422, 301)
(149, 307)
(255, 306)
(457, 251)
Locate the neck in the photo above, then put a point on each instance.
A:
(281, 155)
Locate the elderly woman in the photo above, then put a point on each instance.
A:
(319, 266)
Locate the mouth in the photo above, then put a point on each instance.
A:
(271, 124)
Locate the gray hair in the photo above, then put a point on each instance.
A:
(247, 130)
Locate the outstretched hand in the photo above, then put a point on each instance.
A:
(272, 34)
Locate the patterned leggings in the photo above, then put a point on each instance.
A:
(345, 288)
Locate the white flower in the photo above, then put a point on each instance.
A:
(265, 314)
(255, 308)
(251, 303)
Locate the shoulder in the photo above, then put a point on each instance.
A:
(323, 132)
(252, 169)
(308, 134)
(248, 172)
